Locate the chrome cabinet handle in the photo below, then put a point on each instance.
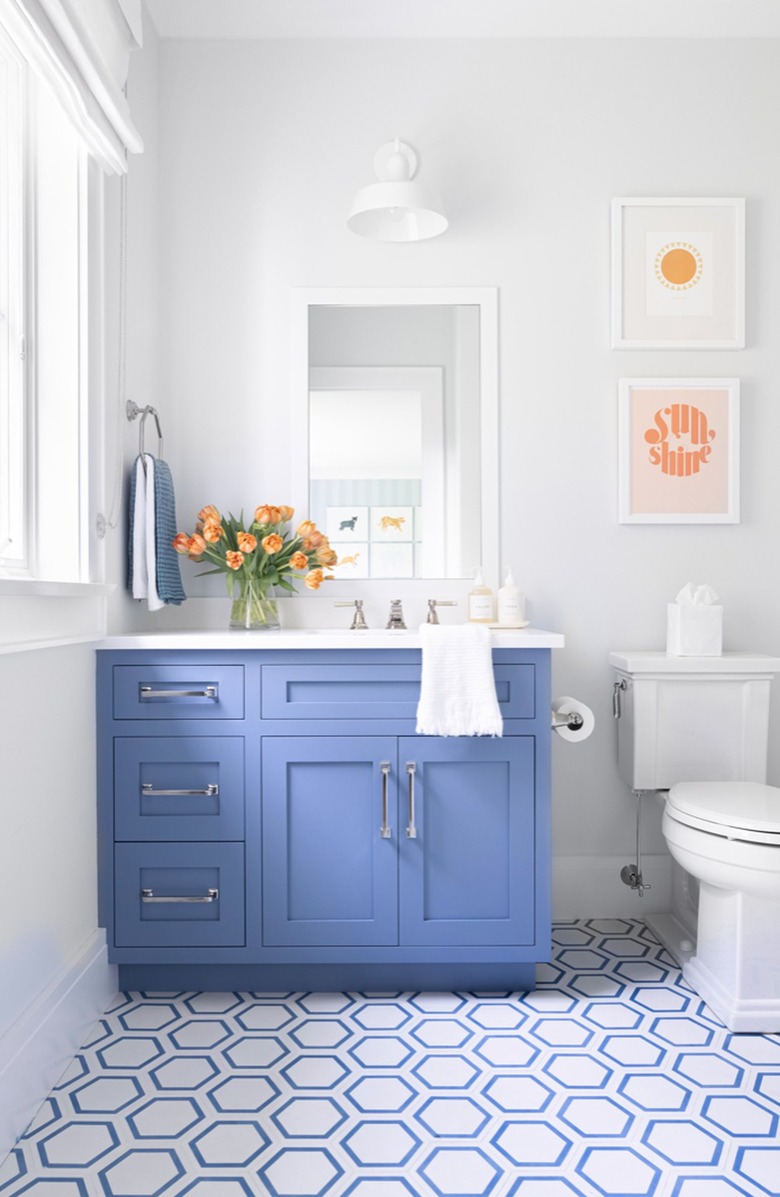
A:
(385, 831)
(148, 895)
(148, 692)
(148, 792)
(411, 830)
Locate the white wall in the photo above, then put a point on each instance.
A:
(52, 957)
(144, 327)
(48, 817)
(262, 146)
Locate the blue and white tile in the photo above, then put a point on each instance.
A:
(611, 1079)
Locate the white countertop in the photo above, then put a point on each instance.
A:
(314, 638)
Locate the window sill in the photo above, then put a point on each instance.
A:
(22, 587)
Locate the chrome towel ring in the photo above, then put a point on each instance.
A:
(132, 411)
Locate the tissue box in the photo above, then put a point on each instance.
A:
(694, 631)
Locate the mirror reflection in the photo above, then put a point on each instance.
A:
(394, 438)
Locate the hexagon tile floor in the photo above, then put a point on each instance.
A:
(611, 1078)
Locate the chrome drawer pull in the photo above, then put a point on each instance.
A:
(148, 792)
(211, 895)
(150, 692)
(411, 830)
(385, 831)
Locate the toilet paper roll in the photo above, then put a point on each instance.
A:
(572, 706)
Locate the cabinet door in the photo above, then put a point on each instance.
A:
(468, 876)
(330, 876)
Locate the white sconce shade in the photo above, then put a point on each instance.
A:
(397, 208)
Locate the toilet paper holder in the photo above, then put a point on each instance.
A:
(571, 719)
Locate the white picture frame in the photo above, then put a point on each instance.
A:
(678, 451)
(678, 273)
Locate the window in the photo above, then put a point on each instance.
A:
(45, 201)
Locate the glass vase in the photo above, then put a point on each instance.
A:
(254, 608)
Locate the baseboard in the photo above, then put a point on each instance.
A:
(37, 1049)
(590, 887)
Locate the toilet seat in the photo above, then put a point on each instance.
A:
(735, 810)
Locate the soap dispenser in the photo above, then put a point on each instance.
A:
(510, 603)
(481, 601)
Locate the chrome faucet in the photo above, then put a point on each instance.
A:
(396, 616)
(358, 619)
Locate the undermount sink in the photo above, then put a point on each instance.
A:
(356, 632)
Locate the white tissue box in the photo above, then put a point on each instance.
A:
(694, 631)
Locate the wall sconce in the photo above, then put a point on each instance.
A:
(397, 208)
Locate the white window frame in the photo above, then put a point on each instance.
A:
(14, 265)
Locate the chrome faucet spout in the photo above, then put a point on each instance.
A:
(396, 616)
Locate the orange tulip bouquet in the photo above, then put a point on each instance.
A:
(256, 559)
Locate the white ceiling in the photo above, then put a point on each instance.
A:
(465, 18)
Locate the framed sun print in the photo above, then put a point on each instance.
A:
(679, 451)
(678, 273)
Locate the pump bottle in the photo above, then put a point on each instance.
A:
(481, 601)
(510, 603)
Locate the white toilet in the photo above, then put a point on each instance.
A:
(695, 730)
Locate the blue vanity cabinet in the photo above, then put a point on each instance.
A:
(269, 819)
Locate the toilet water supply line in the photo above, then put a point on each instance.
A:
(631, 874)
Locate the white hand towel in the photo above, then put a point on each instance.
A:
(144, 573)
(140, 578)
(458, 690)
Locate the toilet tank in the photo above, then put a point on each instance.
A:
(691, 718)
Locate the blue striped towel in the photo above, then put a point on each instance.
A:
(169, 586)
(168, 580)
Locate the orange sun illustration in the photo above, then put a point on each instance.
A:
(678, 266)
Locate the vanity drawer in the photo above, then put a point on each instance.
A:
(178, 691)
(179, 788)
(179, 895)
(374, 691)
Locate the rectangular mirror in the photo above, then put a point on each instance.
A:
(395, 411)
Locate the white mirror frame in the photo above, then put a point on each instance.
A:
(486, 298)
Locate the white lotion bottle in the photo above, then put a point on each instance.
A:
(510, 603)
(481, 601)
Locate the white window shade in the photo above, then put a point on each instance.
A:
(82, 49)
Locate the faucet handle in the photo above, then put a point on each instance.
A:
(358, 620)
(432, 616)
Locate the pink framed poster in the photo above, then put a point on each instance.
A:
(679, 451)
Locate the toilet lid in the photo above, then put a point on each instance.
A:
(744, 806)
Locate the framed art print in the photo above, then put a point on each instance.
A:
(678, 273)
(392, 524)
(347, 523)
(679, 451)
